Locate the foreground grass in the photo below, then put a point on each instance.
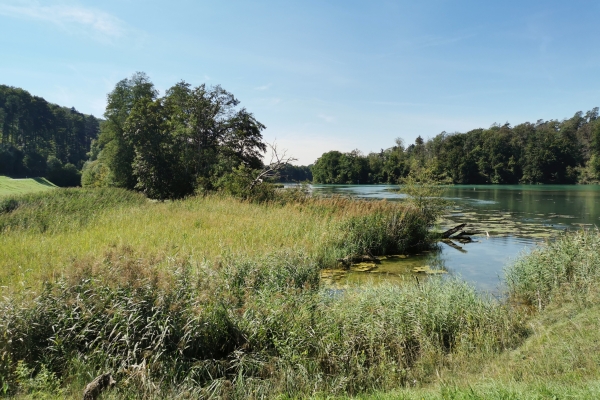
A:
(11, 187)
(213, 298)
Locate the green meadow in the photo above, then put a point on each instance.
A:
(9, 186)
(213, 297)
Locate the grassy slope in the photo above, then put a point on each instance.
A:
(10, 187)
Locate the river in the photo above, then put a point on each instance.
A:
(517, 218)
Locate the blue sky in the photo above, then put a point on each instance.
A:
(321, 75)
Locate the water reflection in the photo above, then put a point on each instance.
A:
(516, 217)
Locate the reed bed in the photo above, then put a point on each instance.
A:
(568, 266)
(242, 328)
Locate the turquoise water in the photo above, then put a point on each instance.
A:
(517, 218)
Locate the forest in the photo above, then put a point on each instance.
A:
(558, 152)
(41, 139)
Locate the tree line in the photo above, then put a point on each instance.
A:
(38, 138)
(559, 152)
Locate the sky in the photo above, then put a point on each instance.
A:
(321, 75)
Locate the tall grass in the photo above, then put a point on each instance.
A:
(43, 236)
(63, 209)
(243, 327)
(569, 265)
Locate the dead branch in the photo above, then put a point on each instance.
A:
(278, 161)
(452, 231)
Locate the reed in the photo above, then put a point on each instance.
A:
(568, 266)
(242, 327)
(44, 235)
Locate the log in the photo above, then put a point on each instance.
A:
(452, 231)
(454, 245)
(467, 233)
(97, 386)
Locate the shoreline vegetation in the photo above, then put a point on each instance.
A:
(213, 297)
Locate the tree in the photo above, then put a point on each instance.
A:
(117, 151)
(170, 146)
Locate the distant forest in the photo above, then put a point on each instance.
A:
(553, 151)
(38, 138)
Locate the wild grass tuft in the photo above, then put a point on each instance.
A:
(569, 265)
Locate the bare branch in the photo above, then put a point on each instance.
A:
(278, 160)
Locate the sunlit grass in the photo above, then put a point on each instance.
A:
(202, 227)
(42, 236)
(9, 186)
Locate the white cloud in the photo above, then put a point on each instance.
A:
(72, 18)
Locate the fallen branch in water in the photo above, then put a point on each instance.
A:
(452, 231)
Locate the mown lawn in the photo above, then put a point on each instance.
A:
(9, 186)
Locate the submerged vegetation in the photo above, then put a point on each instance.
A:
(213, 297)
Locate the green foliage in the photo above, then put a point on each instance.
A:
(424, 190)
(65, 175)
(337, 168)
(545, 152)
(40, 383)
(171, 146)
(95, 174)
(238, 183)
(116, 152)
(296, 173)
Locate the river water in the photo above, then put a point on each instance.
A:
(517, 218)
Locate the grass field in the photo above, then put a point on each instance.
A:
(210, 297)
(10, 187)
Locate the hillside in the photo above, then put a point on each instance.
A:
(38, 138)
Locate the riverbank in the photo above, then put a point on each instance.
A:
(212, 297)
